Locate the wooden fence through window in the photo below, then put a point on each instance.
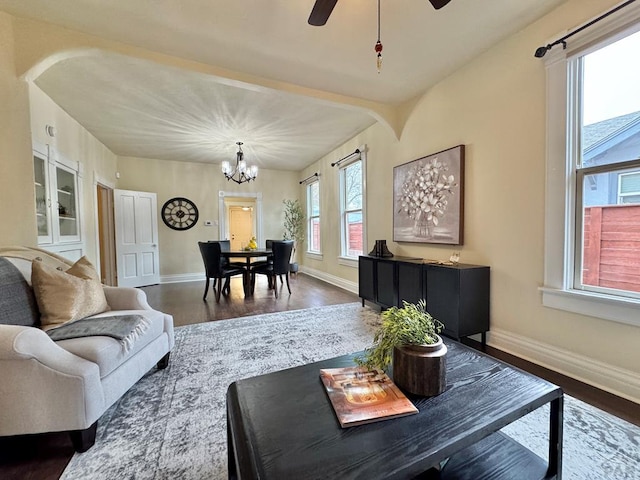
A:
(612, 247)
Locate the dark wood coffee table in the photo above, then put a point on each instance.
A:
(282, 426)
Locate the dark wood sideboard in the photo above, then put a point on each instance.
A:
(457, 295)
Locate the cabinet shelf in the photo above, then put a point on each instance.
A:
(64, 217)
(65, 192)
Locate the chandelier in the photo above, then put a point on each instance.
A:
(242, 172)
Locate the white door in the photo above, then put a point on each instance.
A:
(136, 238)
(240, 227)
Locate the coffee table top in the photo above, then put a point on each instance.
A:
(285, 427)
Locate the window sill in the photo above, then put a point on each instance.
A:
(606, 307)
(348, 262)
(314, 255)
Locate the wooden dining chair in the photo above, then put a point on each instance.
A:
(279, 266)
(214, 268)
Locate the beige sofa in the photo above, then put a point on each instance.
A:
(48, 386)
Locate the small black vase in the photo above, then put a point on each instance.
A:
(380, 249)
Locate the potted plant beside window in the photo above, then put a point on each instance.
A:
(293, 227)
(408, 340)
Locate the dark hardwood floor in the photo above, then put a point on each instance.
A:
(44, 457)
(184, 300)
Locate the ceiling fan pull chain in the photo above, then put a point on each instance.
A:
(378, 47)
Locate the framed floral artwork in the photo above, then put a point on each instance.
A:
(428, 198)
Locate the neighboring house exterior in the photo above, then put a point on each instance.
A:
(611, 141)
(612, 205)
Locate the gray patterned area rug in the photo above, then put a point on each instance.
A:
(172, 423)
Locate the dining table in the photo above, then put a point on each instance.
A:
(249, 256)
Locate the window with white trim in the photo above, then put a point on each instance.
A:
(592, 239)
(352, 197)
(313, 216)
(629, 188)
(606, 160)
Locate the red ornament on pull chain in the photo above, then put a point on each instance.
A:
(378, 47)
(378, 50)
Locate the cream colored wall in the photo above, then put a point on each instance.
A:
(496, 107)
(24, 110)
(200, 183)
(75, 143)
(381, 149)
(17, 195)
(38, 45)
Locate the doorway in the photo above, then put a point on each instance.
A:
(240, 218)
(106, 235)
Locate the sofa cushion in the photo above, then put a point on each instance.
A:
(17, 302)
(110, 353)
(63, 296)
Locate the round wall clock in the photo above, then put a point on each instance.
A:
(179, 213)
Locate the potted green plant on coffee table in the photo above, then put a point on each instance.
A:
(408, 341)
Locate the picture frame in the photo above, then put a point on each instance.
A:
(428, 198)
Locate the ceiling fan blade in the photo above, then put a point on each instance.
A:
(321, 11)
(438, 4)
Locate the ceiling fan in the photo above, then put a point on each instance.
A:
(323, 8)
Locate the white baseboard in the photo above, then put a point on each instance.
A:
(332, 279)
(621, 382)
(183, 277)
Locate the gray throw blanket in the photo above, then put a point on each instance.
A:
(125, 328)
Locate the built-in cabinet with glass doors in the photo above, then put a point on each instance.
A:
(57, 207)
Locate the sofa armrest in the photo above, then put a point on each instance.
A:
(126, 298)
(30, 343)
(43, 387)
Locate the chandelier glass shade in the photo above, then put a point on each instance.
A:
(242, 172)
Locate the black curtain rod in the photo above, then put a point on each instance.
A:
(542, 51)
(357, 151)
(309, 178)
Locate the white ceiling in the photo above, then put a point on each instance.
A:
(139, 108)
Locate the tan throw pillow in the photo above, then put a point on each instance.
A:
(64, 296)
